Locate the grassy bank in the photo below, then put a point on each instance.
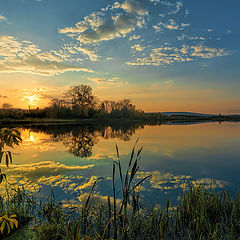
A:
(200, 214)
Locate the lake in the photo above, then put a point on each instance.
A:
(69, 158)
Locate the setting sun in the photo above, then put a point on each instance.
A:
(32, 100)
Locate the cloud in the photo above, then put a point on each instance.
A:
(170, 7)
(170, 25)
(97, 199)
(134, 7)
(88, 184)
(177, 6)
(97, 80)
(3, 96)
(119, 27)
(36, 66)
(91, 54)
(134, 37)
(46, 168)
(138, 47)
(34, 175)
(108, 82)
(94, 20)
(207, 52)
(2, 18)
(183, 37)
(169, 55)
(166, 181)
(94, 28)
(26, 57)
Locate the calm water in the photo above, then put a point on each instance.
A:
(68, 159)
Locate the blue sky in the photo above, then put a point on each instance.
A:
(164, 55)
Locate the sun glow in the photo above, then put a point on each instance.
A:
(31, 100)
(31, 138)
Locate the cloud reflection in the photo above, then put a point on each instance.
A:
(165, 181)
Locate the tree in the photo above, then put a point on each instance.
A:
(6, 106)
(81, 99)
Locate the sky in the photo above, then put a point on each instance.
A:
(180, 55)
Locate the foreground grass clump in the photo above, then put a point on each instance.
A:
(16, 210)
(201, 213)
(205, 214)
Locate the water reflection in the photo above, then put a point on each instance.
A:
(79, 140)
(70, 158)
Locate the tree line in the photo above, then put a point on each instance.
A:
(78, 102)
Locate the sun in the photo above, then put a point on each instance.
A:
(31, 100)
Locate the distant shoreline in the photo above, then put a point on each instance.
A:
(173, 119)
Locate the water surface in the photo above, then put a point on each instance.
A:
(68, 159)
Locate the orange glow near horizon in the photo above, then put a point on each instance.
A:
(157, 98)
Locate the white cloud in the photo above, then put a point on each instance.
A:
(94, 28)
(94, 20)
(134, 37)
(34, 175)
(170, 25)
(2, 18)
(138, 47)
(178, 7)
(207, 52)
(119, 27)
(26, 57)
(90, 53)
(108, 82)
(45, 168)
(134, 7)
(169, 55)
(166, 181)
(97, 80)
(171, 6)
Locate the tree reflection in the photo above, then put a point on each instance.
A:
(122, 132)
(79, 140)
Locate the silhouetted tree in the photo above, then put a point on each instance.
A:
(6, 106)
(81, 99)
